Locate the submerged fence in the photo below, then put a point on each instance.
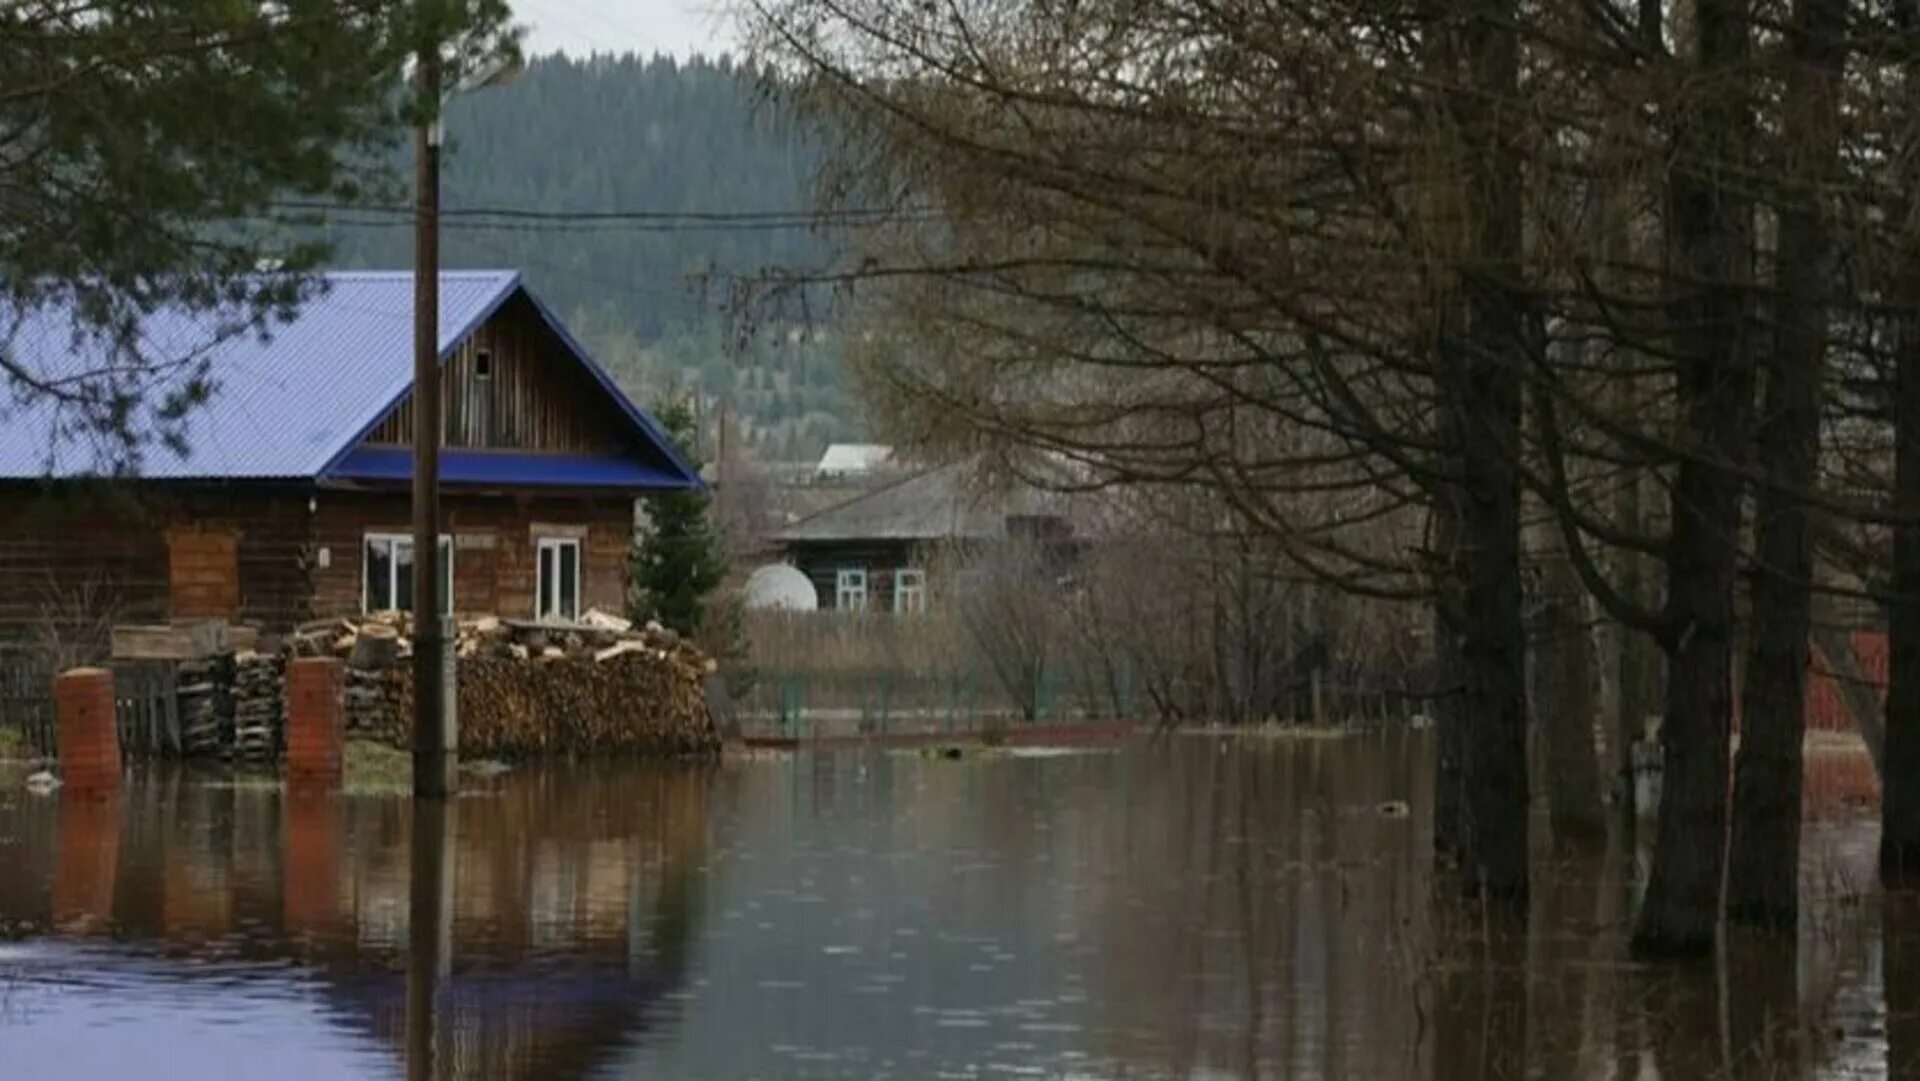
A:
(146, 697)
(823, 675)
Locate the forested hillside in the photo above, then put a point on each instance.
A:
(646, 138)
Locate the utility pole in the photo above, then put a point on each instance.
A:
(436, 739)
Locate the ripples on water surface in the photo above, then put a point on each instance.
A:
(1182, 909)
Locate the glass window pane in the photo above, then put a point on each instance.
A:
(378, 570)
(403, 575)
(543, 608)
(570, 581)
(852, 591)
(909, 590)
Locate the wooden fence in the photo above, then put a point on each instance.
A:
(26, 705)
(146, 698)
(148, 701)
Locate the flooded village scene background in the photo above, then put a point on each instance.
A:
(1081, 539)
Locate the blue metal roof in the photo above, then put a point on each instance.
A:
(509, 469)
(294, 403)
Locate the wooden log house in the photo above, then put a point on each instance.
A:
(875, 552)
(291, 497)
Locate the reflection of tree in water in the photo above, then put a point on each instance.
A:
(1247, 912)
(575, 901)
(1900, 967)
(1263, 910)
(1284, 928)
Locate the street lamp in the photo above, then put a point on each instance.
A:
(436, 731)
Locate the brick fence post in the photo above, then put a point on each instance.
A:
(316, 690)
(88, 731)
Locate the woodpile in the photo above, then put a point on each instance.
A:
(374, 702)
(597, 686)
(205, 691)
(600, 685)
(259, 694)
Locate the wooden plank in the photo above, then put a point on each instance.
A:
(203, 572)
(171, 641)
(172, 703)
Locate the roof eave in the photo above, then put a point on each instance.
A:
(634, 413)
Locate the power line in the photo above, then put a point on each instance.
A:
(561, 227)
(784, 219)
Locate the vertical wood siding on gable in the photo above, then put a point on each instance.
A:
(537, 398)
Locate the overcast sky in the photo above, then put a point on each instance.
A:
(680, 27)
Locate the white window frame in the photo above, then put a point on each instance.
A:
(393, 541)
(542, 546)
(849, 586)
(909, 582)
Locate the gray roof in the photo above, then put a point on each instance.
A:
(939, 504)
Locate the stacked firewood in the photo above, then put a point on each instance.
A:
(259, 692)
(598, 685)
(374, 702)
(206, 705)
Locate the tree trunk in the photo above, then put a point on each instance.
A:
(1639, 657)
(1567, 706)
(1763, 876)
(1481, 813)
(1449, 702)
(1900, 775)
(1900, 780)
(1480, 387)
(1709, 230)
(1633, 656)
(1861, 698)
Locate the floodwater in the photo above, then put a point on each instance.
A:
(1184, 908)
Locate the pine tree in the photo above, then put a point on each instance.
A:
(677, 561)
(149, 148)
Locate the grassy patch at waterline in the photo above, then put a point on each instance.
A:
(378, 769)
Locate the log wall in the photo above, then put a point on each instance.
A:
(71, 557)
(495, 542)
(272, 555)
(821, 562)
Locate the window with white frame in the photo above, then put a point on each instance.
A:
(909, 591)
(558, 595)
(850, 590)
(387, 573)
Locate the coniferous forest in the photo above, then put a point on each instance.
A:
(639, 191)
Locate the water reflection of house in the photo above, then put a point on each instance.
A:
(876, 551)
(573, 904)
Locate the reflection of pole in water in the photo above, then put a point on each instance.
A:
(429, 930)
(83, 881)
